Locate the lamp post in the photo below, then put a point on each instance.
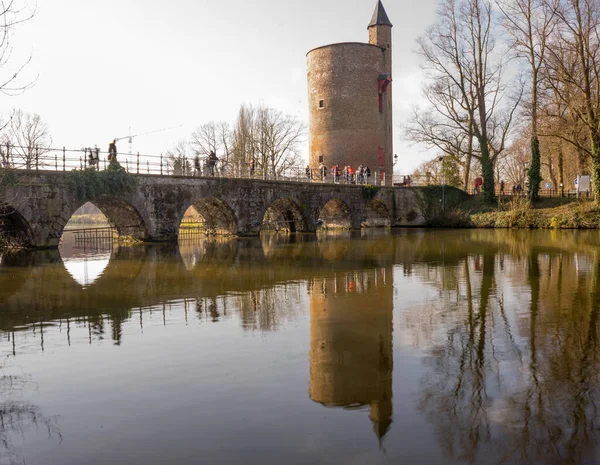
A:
(441, 159)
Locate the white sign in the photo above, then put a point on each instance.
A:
(583, 183)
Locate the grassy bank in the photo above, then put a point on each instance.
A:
(98, 219)
(518, 212)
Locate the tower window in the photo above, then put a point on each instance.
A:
(321, 103)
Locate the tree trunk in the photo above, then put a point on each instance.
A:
(535, 177)
(469, 157)
(596, 176)
(582, 163)
(552, 174)
(534, 170)
(467, 173)
(561, 170)
(595, 158)
(488, 172)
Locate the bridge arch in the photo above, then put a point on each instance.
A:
(215, 217)
(14, 228)
(377, 215)
(123, 217)
(284, 215)
(335, 214)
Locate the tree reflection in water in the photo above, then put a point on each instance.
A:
(510, 384)
(17, 417)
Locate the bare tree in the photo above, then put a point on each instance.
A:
(574, 75)
(467, 72)
(27, 137)
(12, 14)
(216, 137)
(179, 159)
(530, 24)
(277, 141)
(515, 161)
(442, 126)
(264, 135)
(243, 138)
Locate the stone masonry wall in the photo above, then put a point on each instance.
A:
(349, 129)
(155, 208)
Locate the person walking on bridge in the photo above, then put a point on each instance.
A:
(197, 170)
(112, 151)
(212, 161)
(323, 170)
(252, 167)
(308, 173)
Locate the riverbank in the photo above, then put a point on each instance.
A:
(96, 219)
(518, 212)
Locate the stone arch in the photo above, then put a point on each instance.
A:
(218, 218)
(377, 215)
(14, 227)
(284, 215)
(122, 217)
(335, 214)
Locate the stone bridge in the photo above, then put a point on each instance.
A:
(39, 205)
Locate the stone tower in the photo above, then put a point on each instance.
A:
(350, 100)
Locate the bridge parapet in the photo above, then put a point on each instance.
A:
(40, 204)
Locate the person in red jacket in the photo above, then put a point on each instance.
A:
(478, 184)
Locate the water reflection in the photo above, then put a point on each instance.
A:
(84, 261)
(495, 335)
(512, 368)
(19, 418)
(351, 343)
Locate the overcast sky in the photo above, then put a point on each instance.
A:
(106, 66)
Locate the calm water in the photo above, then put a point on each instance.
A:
(417, 347)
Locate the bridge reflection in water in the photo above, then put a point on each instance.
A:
(503, 335)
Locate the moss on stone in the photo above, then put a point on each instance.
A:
(89, 184)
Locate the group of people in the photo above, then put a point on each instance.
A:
(211, 163)
(92, 155)
(349, 175)
(516, 189)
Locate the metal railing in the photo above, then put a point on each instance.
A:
(522, 192)
(63, 159)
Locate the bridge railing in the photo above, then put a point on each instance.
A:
(63, 159)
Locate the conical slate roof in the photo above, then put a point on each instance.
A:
(380, 17)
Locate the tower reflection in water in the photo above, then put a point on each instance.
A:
(351, 356)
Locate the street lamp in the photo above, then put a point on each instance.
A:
(441, 159)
